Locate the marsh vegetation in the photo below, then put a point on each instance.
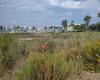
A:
(49, 56)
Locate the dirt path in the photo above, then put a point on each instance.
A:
(11, 74)
(90, 76)
(27, 39)
(84, 76)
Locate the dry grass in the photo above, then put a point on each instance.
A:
(66, 47)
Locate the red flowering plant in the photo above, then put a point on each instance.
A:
(43, 47)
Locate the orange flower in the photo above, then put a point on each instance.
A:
(44, 46)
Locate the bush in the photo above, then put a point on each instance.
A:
(91, 56)
(51, 46)
(9, 52)
(49, 67)
(5, 56)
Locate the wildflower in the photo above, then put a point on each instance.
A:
(44, 47)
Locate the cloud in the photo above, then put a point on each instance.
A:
(54, 2)
(52, 11)
(71, 4)
(28, 5)
(76, 4)
(1, 5)
(91, 5)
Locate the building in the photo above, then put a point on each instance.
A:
(70, 28)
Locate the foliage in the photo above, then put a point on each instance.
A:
(9, 52)
(72, 23)
(91, 56)
(62, 48)
(49, 67)
(95, 27)
(64, 24)
(79, 27)
(87, 19)
(98, 15)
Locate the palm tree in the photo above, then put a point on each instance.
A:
(87, 19)
(72, 23)
(51, 28)
(98, 15)
(45, 28)
(55, 28)
(64, 24)
(33, 28)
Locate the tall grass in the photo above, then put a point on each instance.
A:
(91, 56)
(64, 59)
(49, 67)
(10, 51)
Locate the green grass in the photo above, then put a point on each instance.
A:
(49, 67)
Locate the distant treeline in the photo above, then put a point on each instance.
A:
(85, 26)
(92, 27)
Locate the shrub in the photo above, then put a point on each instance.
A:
(49, 67)
(5, 57)
(91, 56)
(9, 52)
(51, 46)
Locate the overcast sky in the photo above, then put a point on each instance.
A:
(46, 12)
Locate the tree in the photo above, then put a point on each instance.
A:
(97, 26)
(55, 28)
(45, 28)
(87, 20)
(33, 28)
(51, 28)
(92, 27)
(64, 24)
(72, 23)
(98, 15)
(1, 28)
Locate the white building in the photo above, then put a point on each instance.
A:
(70, 28)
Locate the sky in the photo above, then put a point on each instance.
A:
(47, 12)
